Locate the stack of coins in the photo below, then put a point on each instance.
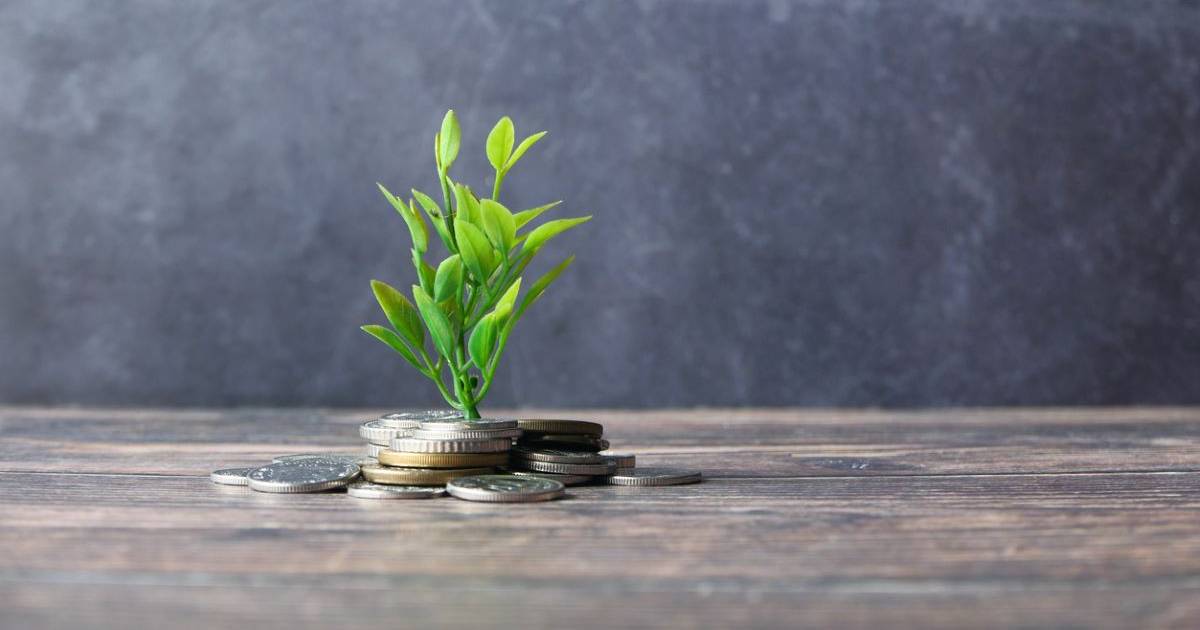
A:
(573, 452)
(568, 451)
(378, 433)
(439, 450)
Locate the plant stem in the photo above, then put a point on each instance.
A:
(496, 186)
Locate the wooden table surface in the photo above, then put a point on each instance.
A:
(813, 518)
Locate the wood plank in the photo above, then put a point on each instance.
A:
(1117, 527)
(74, 603)
(721, 442)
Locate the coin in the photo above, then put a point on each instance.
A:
(654, 477)
(566, 442)
(566, 480)
(373, 450)
(333, 457)
(441, 460)
(556, 455)
(466, 434)
(562, 427)
(621, 460)
(368, 490)
(565, 469)
(411, 419)
(376, 432)
(417, 445)
(464, 424)
(304, 475)
(505, 489)
(390, 475)
(231, 476)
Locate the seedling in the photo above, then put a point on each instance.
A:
(468, 303)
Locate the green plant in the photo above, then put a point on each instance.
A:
(469, 302)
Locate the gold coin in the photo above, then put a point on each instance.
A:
(390, 475)
(562, 427)
(441, 460)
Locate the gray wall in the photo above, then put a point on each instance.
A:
(797, 202)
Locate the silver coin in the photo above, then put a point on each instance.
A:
(368, 490)
(622, 461)
(606, 468)
(461, 424)
(376, 432)
(231, 476)
(417, 445)
(303, 475)
(654, 477)
(466, 434)
(333, 457)
(412, 419)
(505, 488)
(557, 455)
(365, 460)
(566, 480)
(373, 450)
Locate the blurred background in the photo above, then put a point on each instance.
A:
(917, 203)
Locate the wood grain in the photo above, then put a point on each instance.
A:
(958, 518)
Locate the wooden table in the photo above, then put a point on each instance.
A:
(944, 519)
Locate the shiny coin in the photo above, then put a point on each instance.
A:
(565, 469)
(441, 460)
(622, 461)
(654, 477)
(364, 460)
(464, 424)
(368, 490)
(505, 489)
(373, 450)
(466, 434)
(416, 445)
(412, 419)
(389, 475)
(562, 427)
(557, 455)
(376, 432)
(333, 457)
(304, 475)
(231, 476)
(566, 480)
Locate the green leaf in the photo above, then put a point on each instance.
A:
(482, 340)
(504, 305)
(525, 216)
(522, 148)
(431, 207)
(448, 140)
(435, 216)
(416, 225)
(436, 321)
(475, 250)
(449, 279)
(500, 143)
(539, 287)
(467, 204)
(549, 230)
(400, 312)
(425, 273)
(389, 337)
(498, 224)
